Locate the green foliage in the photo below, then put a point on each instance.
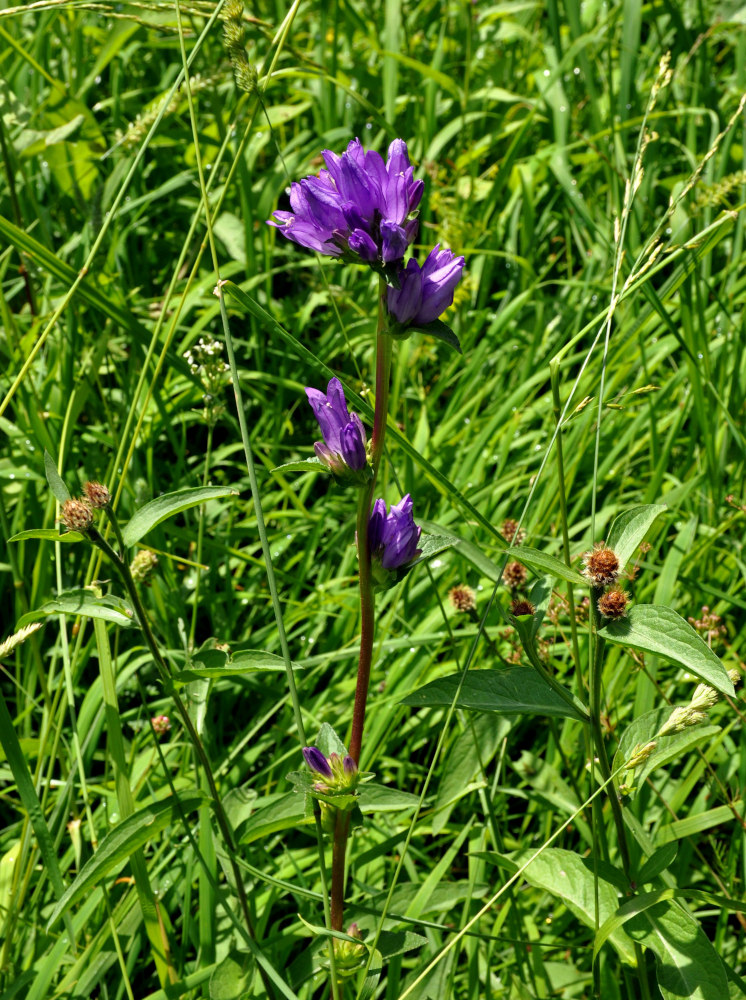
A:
(526, 122)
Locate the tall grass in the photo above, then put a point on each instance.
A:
(526, 120)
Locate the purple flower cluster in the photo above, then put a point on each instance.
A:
(343, 449)
(359, 207)
(393, 537)
(425, 292)
(333, 774)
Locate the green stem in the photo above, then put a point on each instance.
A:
(530, 649)
(200, 537)
(220, 814)
(554, 374)
(367, 598)
(598, 644)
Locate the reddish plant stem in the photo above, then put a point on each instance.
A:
(367, 601)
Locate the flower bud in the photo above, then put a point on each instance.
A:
(613, 604)
(601, 566)
(639, 755)
(76, 515)
(514, 575)
(161, 724)
(510, 531)
(518, 608)
(462, 598)
(97, 495)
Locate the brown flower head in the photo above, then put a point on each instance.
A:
(76, 515)
(514, 575)
(521, 608)
(462, 598)
(97, 495)
(601, 566)
(510, 531)
(613, 604)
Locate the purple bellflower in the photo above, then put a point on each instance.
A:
(392, 539)
(425, 292)
(333, 774)
(343, 449)
(358, 208)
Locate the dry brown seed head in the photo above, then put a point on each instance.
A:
(601, 566)
(522, 608)
(511, 532)
(462, 598)
(514, 575)
(76, 515)
(97, 495)
(613, 604)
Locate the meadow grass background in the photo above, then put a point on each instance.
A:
(525, 120)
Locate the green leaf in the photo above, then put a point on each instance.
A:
(658, 862)
(214, 663)
(158, 510)
(430, 546)
(687, 965)
(368, 989)
(303, 465)
(121, 842)
(284, 812)
(84, 602)
(232, 977)
(572, 879)
(440, 331)
(56, 485)
(630, 528)
(328, 742)
(511, 691)
(373, 797)
(543, 563)
(51, 534)
(659, 630)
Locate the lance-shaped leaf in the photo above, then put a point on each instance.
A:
(158, 510)
(511, 691)
(544, 564)
(630, 528)
(117, 846)
(84, 602)
(48, 534)
(659, 630)
(56, 484)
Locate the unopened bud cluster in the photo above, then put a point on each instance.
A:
(695, 712)
(205, 359)
(334, 774)
(462, 598)
(601, 566)
(510, 531)
(518, 608)
(349, 956)
(97, 495)
(515, 576)
(613, 604)
(76, 515)
(161, 724)
(143, 565)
